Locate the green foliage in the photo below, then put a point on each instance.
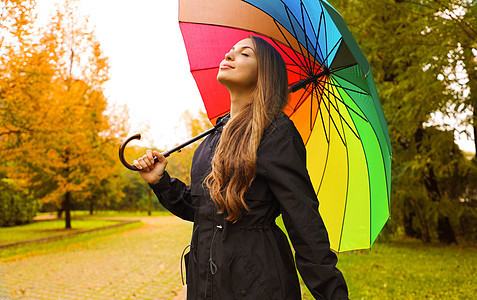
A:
(417, 50)
(16, 206)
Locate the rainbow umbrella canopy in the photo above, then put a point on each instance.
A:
(333, 101)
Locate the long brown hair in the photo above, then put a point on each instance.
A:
(234, 162)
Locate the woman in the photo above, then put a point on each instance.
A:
(251, 169)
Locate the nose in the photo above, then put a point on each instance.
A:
(229, 56)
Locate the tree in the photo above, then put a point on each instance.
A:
(57, 135)
(82, 152)
(410, 47)
(19, 99)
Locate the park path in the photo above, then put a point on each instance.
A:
(142, 263)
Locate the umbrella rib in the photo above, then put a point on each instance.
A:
(289, 45)
(341, 100)
(327, 152)
(317, 45)
(329, 112)
(312, 68)
(319, 100)
(294, 72)
(318, 35)
(325, 31)
(296, 36)
(337, 43)
(347, 155)
(337, 110)
(327, 137)
(301, 100)
(356, 91)
(345, 88)
(311, 109)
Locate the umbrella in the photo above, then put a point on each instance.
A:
(334, 103)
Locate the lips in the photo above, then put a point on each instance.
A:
(225, 66)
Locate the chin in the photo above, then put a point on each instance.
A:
(222, 80)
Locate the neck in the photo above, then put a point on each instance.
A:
(238, 101)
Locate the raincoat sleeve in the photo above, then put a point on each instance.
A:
(289, 181)
(175, 196)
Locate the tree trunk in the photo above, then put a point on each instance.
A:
(91, 207)
(408, 229)
(149, 202)
(445, 231)
(475, 129)
(470, 62)
(67, 208)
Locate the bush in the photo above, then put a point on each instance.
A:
(16, 206)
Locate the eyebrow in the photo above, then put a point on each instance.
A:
(244, 47)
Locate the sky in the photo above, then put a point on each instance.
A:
(149, 66)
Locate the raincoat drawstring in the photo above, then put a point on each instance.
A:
(182, 263)
(183, 253)
(212, 265)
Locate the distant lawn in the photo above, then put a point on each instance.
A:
(81, 220)
(110, 213)
(40, 229)
(67, 244)
(409, 269)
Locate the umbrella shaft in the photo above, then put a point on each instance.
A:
(179, 147)
(305, 82)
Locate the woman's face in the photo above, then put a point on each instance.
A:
(238, 70)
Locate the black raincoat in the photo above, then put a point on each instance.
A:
(252, 259)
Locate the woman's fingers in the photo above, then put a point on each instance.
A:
(150, 171)
(160, 158)
(146, 162)
(150, 157)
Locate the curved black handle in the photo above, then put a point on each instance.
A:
(121, 152)
(137, 136)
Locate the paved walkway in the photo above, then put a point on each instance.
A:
(141, 263)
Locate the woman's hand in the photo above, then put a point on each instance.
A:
(150, 171)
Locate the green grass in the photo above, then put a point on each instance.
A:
(81, 220)
(403, 268)
(41, 229)
(70, 243)
(110, 213)
(409, 269)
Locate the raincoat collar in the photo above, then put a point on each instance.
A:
(221, 121)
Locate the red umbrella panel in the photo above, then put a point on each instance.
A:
(202, 39)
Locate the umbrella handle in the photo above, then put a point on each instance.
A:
(121, 152)
(165, 154)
